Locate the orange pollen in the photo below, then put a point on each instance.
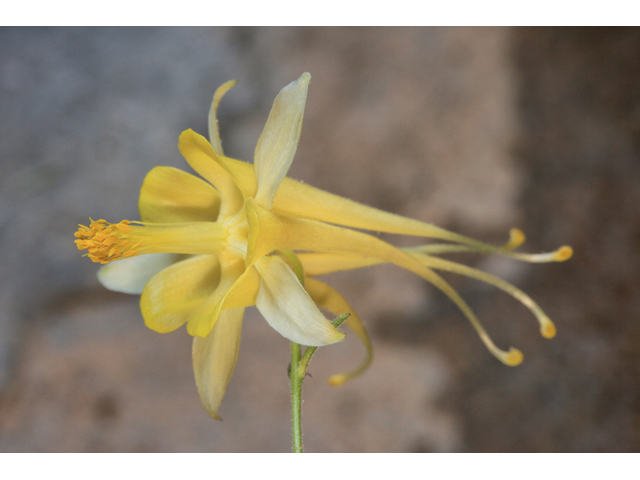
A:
(106, 241)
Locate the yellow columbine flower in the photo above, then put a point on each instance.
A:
(250, 236)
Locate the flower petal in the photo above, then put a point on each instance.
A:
(279, 140)
(130, 275)
(238, 288)
(327, 298)
(172, 295)
(269, 231)
(169, 195)
(288, 307)
(244, 291)
(244, 174)
(300, 200)
(204, 318)
(321, 263)
(214, 133)
(198, 152)
(303, 201)
(214, 359)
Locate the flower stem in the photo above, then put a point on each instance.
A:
(296, 399)
(297, 372)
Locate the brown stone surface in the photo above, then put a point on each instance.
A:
(474, 129)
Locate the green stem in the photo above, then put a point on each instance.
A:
(296, 399)
(298, 366)
(297, 372)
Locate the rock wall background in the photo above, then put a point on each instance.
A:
(475, 129)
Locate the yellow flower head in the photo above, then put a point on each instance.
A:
(247, 235)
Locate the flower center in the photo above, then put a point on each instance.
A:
(237, 229)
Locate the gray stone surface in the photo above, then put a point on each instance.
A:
(474, 129)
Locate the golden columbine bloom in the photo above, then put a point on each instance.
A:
(247, 235)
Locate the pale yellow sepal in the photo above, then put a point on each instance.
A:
(288, 307)
(214, 359)
(169, 195)
(278, 142)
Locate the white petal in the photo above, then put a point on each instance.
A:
(214, 358)
(288, 307)
(279, 140)
(132, 274)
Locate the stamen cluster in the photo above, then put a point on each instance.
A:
(105, 241)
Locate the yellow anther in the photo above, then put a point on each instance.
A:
(97, 226)
(123, 226)
(104, 241)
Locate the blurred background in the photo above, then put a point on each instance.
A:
(474, 129)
